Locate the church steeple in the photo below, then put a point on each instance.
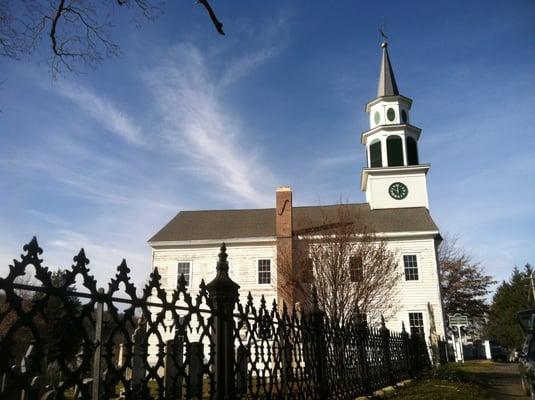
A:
(387, 82)
(394, 176)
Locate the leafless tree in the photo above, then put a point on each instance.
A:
(78, 32)
(354, 270)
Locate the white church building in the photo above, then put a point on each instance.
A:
(397, 206)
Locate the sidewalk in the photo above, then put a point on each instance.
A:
(502, 381)
(473, 380)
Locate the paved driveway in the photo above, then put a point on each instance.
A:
(503, 381)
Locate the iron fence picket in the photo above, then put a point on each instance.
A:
(169, 345)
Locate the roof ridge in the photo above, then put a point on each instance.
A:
(272, 208)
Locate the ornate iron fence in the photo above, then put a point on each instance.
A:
(61, 341)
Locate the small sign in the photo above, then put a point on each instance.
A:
(458, 319)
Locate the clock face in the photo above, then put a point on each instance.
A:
(398, 190)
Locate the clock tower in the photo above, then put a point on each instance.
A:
(394, 177)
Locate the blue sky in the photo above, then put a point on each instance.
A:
(186, 119)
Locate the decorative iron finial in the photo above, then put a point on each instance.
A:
(383, 324)
(222, 264)
(403, 327)
(33, 248)
(81, 257)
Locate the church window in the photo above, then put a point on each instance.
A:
(412, 151)
(394, 149)
(410, 264)
(184, 269)
(377, 118)
(308, 270)
(416, 323)
(264, 272)
(355, 268)
(391, 114)
(376, 159)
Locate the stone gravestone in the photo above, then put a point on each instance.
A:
(139, 339)
(174, 363)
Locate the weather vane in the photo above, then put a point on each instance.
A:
(382, 32)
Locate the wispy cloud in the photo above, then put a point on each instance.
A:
(197, 123)
(104, 111)
(335, 161)
(240, 67)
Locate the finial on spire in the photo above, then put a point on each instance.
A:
(381, 29)
(387, 81)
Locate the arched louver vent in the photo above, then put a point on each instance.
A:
(376, 159)
(394, 150)
(412, 151)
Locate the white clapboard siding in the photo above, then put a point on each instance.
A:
(413, 296)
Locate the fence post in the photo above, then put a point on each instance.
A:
(362, 339)
(286, 366)
(415, 341)
(385, 336)
(97, 355)
(223, 294)
(407, 350)
(320, 347)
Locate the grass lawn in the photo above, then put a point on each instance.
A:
(454, 381)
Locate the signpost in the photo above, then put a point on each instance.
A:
(458, 320)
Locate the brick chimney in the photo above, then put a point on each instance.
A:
(284, 231)
(283, 217)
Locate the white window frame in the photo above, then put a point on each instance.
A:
(418, 264)
(257, 270)
(190, 277)
(424, 320)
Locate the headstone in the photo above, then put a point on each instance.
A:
(120, 355)
(241, 379)
(138, 358)
(174, 362)
(28, 361)
(196, 354)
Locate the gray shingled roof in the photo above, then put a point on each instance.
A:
(229, 224)
(387, 82)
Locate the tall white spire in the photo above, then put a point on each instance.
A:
(387, 82)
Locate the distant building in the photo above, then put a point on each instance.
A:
(396, 207)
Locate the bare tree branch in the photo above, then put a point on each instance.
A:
(354, 271)
(78, 31)
(218, 25)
